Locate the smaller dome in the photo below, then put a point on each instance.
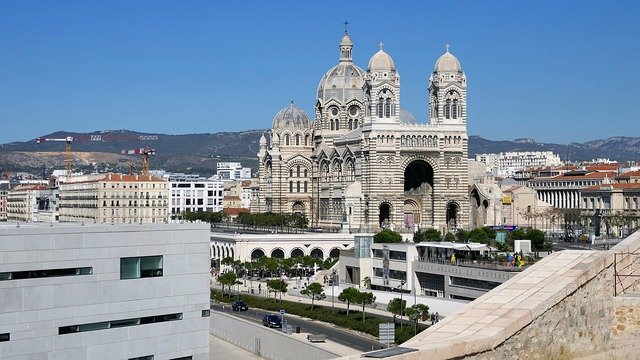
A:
(448, 62)
(346, 40)
(291, 118)
(381, 61)
(263, 140)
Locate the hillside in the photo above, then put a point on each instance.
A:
(199, 153)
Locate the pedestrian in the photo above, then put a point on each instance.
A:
(433, 318)
(437, 317)
(453, 259)
(259, 288)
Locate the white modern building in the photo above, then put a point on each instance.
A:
(190, 192)
(99, 291)
(505, 164)
(232, 171)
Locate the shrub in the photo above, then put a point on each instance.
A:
(387, 236)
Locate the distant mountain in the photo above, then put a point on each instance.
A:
(199, 153)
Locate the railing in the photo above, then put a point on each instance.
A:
(480, 264)
(626, 271)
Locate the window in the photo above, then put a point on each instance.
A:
(140, 267)
(70, 329)
(290, 186)
(447, 109)
(387, 108)
(148, 357)
(454, 110)
(206, 313)
(184, 358)
(380, 107)
(5, 337)
(34, 274)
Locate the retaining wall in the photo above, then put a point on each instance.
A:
(273, 343)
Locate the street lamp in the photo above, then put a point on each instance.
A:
(401, 307)
(333, 283)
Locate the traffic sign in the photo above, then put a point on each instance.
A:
(281, 311)
(387, 333)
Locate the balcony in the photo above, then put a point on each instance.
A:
(479, 264)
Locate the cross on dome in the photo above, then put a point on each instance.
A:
(381, 45)
(346, 27)
(447, 47)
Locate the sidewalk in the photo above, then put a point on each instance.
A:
(442, 306)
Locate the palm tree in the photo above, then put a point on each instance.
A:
(366, 282)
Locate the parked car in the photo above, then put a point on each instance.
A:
(272, 321)
(239, 306)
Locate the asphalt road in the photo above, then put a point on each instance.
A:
(339, 336)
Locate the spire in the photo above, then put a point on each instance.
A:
(381, 45)
(346, 46)
(346, 27)
(447, 47)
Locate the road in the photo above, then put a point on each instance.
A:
(339, 336)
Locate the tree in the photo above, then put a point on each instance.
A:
(478, 235)
(366, 282)
(396, 307)
(462, 235)
(228, 278)
(364, 299)
(417, 312)
(427, 235)
(490, 233)
(349, 295)
(387, 236)
(450, 237)
(315, 291)
(277, 286)
(537, 239)
(518, 234)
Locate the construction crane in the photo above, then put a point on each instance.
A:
(68, 140)
(96, 138)
(131, 165)
(145, 152)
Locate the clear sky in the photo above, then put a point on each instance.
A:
(556, 71)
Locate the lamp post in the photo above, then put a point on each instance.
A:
(333, 283)
(401, 307)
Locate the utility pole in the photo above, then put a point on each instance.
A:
(401, 307)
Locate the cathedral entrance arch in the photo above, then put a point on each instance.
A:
(452, 215)
(384, 219)
(417, 175)
(411, 213)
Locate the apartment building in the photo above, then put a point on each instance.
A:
(232, 171)
(4, 191)
(24, 201)
(506, 164)
(96, 291)
(114, 198)
(190, 192)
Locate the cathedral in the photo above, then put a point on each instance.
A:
(364, 163)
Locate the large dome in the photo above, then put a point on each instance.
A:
(343, 82)
(448, 62)
(291, 118)
(406, 117)
(381, 61)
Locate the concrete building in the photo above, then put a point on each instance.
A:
(506, 164)
(190, 192)
(4, 192)
(365, 163)
(618, 205)
(24, 202)
(424, 269)
(114, 198)
(563, 191)
(98, 291)
(232, 171)
(236, 197)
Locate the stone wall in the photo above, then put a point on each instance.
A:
(626, 315)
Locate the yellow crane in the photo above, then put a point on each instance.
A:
(68, 140)
(145, 152)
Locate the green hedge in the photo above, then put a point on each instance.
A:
(322, 313)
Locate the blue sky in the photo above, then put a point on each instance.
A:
(556, 71)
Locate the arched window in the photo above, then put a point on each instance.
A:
(447, 109)
(350, 124)
(387, 108)
(331, 124)
(298, 171)
(380, 107)
(454, 110)
(355, 125)
(298, 186)
(290, 186)
(290, 172)
(297, 139)
(305, 186)
(286, 139)
(305, 172)
(337, 124)
(306, 140)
